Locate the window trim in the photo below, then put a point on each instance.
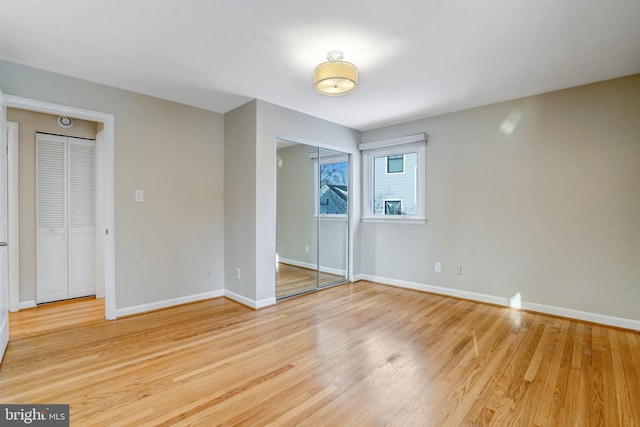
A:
(371, 150)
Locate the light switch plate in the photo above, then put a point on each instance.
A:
(139, 196)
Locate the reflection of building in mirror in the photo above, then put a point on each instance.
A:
(333, 188)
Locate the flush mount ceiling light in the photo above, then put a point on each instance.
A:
(335, 77)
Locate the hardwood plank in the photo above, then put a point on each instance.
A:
(354, 354)
(624, 406)
(583, 415)
(597, 415)
(510, 386)
(498, 393)
(569, 405)
(554, 387)
(630, 355)
(533, 403)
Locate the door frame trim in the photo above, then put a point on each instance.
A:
(13, 208)
(105, 186)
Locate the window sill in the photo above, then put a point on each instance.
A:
(395, 220)
(331, 217)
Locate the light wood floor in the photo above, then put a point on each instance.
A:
(352, 355)
(291, 279)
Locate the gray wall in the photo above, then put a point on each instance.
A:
(250, 215)
(240, 200)
(29, 123)
(167, 244)
(538, 196)
(297, 227)
(272, 120)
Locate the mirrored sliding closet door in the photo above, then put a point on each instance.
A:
(312, 218)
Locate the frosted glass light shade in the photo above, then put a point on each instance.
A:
(335, 78)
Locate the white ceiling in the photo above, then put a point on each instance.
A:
(416, 58)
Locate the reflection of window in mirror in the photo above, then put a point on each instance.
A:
(334, 178)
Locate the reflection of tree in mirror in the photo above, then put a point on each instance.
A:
(333, 174)
(333, 188)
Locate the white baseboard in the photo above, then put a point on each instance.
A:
(168, 303)
(602, 319)
(265, 303)
(14, 304)
(27, 304)
(248, 301)
(323, 269)
(587, 316)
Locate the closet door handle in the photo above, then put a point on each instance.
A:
(3, 243)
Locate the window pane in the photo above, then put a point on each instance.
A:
(392, 207)
(398, 187)
(334, 178)
(395, 164)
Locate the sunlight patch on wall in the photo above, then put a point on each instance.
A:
(510, 123)
(516, 315)
(516, 301)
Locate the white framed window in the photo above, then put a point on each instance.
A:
(394, 179)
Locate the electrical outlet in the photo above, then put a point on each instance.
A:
(438, 267)
(458, 270)
(306, 249)
(237, 272)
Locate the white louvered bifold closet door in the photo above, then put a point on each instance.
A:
(82, 213)
(65, 217)
(51, 218)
